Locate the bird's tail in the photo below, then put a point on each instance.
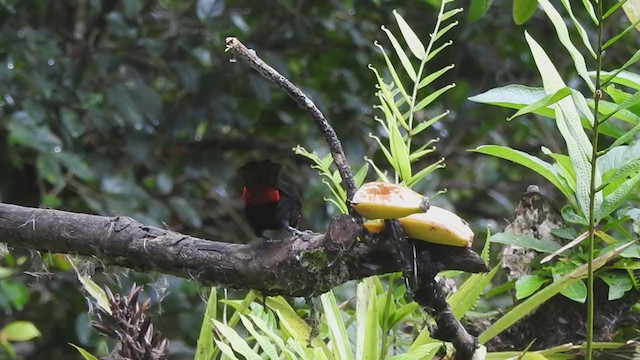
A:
(260, 174)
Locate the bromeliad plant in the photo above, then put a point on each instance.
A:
(599, 183)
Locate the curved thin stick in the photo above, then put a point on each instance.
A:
(305, 103)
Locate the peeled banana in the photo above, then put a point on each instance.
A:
(380, 200)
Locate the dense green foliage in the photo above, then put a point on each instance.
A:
(133, 108)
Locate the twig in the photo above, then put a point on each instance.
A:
(305, 103)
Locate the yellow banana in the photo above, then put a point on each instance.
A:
(438, 226)
(379, 200)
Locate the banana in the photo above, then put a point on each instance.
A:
(438, 226)
(379, 200)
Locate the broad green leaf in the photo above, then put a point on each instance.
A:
(84, 353)
(539, 166)
(526, 241)
(576, 291)
(96, 292)
(617, 197)
(568, 122)
(528, 284)
(19, 331)
(337, 330)
(533, 302)
(469, 292)
(563, 34)
(236, 341)
(619, 283)
(297, 327)
(204, 348)
(478, 8)
(544, 102)
(523, 10)
(414, 43)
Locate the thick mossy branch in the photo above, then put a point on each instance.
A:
(305, 265)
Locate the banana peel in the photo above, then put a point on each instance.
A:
(438, 226)
(380, 200)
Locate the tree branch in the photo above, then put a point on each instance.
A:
(306, 265)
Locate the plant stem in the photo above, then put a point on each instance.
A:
(594, 156)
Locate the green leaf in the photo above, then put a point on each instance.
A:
(469, 292)
(427, 123)
(539, 298)
(528, 284)
(85, 354)
(400, 153)
(563, 35)
(576, 291)
(414, 43)
(426, 171)
(204, 348)
(296, 326)
(371, 350)
(434, 76)
(624, 32)
(617, 197)
(264, 342)
(621, 76)
(236, 341)
(337, 330)
(96, 292)
(568, 122)
(478, 8)
(404, 60)
(584, 36)
(525, 241)
(619, 283)
(422, 352)
(544, 102)
(19, 331)
(431, 97)
(523, 10)
(539, 166)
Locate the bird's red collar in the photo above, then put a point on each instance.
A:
(260, 196)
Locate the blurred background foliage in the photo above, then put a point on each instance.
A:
(133, 108)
